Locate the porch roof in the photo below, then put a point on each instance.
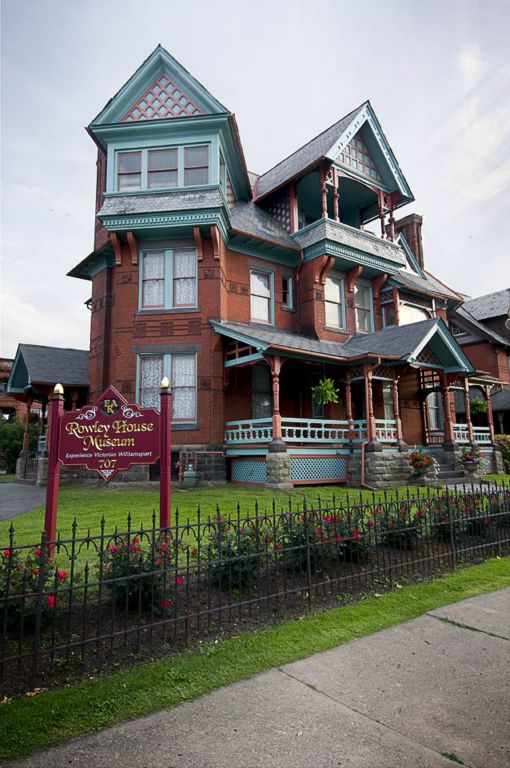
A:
(400, 345)
(36, 365)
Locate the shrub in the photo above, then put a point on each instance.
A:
(470, 453)
(11, 441)
(401, 524)
(141, 575)
(20, 582)
(504, 443)
(233, 552)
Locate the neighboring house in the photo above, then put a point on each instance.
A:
(9, 408)
(35, 371)
(482, 328)
(247, 290)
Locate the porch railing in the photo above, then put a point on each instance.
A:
(295, 430)
(481, 435)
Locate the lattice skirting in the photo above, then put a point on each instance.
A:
(486, 460)
(249, 471)
(318, 469)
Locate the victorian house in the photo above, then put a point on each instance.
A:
(247, 290)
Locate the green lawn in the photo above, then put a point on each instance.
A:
(88, 505)
(499, 479)
(29, 724)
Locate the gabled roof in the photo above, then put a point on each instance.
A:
(329, 144)
(480, 327)
(37, 364)
(428, 284)
(160, 62)
(248, 218)
(491, 305)
(400, 345)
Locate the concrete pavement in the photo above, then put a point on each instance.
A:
(428, 693)
(17, 498)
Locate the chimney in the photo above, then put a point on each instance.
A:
(410, 226)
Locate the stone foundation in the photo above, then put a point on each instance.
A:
(382, 470)
(278, 472)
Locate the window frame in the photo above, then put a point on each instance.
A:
(370, 309)
(167, 370)
(390, 305)
(144, 172)
(289, 304)
(338, 280)
(119, 173)
(271, 313)
(169, 279)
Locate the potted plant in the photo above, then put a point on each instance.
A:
(470, 457)
(325, 392)
(420, 462)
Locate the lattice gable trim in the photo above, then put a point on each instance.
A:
(162, 99)
(356, 157)
(421, 301)
(383, 371)
(427, 355)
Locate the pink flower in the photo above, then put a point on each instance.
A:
(62, 575)
(371, 523)
(179, 580)
(38, 552)
(51, 601)
(159, 560)
(136, 540)
(112, 549)
(164, 547)
(19, 568)
(134, 548)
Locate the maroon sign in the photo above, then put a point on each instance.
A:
(109, 435)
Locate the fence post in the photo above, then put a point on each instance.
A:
(306, 523)
(39, 609)
(452, 533)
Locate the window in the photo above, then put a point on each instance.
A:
(169, 278)
(129, 171)
(387, 392)
(333, 297)
(363, 307)
(196, 166)
(287, 297)
(261, 392)
(165, 168)
(223, 175)
(388, 315)
(261, 297)
(181, 369)
(408, 314)
(457, 330)
(434, 411)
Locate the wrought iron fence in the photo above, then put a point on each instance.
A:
(79, 603)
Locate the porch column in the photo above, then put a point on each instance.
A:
(396, 411)
(449, 441)
(382, 214)
(324, 194)
(490, 419)
(336, 212)
(276, 445)
(26, 433)
(373, 444)
(467, 406)
(348, 399)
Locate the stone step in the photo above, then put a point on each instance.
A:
(451, 473)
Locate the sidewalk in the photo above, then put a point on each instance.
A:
(436, 684)
(17, 498)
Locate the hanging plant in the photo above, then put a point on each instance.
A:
(325, 392)
(478, 405)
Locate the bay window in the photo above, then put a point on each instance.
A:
(181, 370)
(129, 171)
(162, 168)
(168, 278)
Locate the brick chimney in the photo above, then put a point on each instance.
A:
(410, 226)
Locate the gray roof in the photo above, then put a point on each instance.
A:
(179, 200)
(484, 329)
(52, 365)
(501, 400)
(303, 158)
(398, 343)
(490, 305)
(429, 283)
(252, 220)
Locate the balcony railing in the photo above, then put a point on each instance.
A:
(481, 435)
(250, 431)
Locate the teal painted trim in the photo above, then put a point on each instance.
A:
(411, 258)
(243, 360)
(159, 61)
(98, 265)
(290, 291)
(359, 177)
(261, 347)
(193, 218)
(453, 347)
(327, 247)
(23, 373)
(319, 451)
(245, 451)
(262, 250)
(17, 390)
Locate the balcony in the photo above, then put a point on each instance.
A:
(307, 431)
(353, 244)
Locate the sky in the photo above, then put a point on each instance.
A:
(437, 73)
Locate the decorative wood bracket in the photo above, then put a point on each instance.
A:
(352, 276)
(117, 248)
(326, 269)
(377, 284)
(133, 247)
(199, 243)
(217, 241)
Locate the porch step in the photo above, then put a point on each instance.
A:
(447, 474)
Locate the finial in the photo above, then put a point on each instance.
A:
(58, 390)
(165, 382)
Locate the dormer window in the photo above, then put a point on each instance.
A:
(162, 168)
(129, 171)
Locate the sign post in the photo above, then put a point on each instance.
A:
(165, 396)
(56, 408)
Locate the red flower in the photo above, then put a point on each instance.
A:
(179, 580)
(165, 603)
(38, 552)
(62, 575)
(134, 548)
(194, 552)
(277, 546)
(159, 560)
(19, 568)
(164, 547)
(112, 549)
(371, 523)
(51, 601)
(7, 552)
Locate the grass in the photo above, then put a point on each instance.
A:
(7, 478)
(499, 479)
(29, 724)
(87, 505)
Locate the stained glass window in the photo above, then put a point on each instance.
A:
(356, 156)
